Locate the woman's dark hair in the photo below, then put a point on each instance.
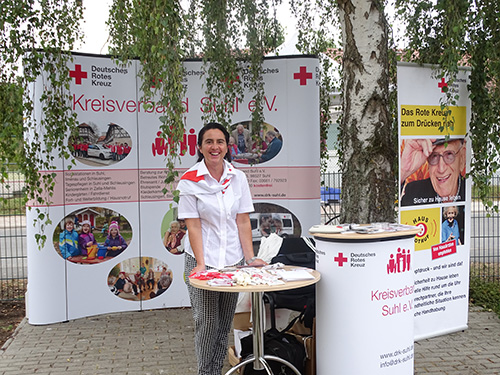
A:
(210, 126)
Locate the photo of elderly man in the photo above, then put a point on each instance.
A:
(432, 171)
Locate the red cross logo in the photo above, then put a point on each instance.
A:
(77, 74)
(231, 81)
(303, 75)
(442, 84)
(340, 259)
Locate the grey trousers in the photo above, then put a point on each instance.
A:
(213, 314)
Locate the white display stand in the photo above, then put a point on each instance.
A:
(364, 303)
(104, 181)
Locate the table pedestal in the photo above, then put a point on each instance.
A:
(259, 358)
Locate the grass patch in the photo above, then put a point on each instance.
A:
(13, 290)
(485, 293)
(494, 193)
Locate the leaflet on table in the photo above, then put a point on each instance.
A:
(375, 228)
(295, 274)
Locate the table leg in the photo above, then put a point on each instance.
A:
(258, 329)
(259, 359)
(258, 336)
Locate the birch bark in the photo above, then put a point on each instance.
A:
(368, 181)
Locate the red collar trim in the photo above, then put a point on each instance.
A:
(192, 176)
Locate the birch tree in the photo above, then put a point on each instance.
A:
(367, 149)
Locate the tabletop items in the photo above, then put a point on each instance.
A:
(360, 228)
(273, 274)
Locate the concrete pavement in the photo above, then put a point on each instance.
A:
(161, 342)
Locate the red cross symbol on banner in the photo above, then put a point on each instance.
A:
(340, 259)
(77, 74)
(442, 84)
(303, 75)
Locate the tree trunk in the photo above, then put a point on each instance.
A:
(368, 180)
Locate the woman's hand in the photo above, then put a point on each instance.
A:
(258, 262)
(198, 268)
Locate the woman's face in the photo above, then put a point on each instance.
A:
(113, 232)
(174, 227)
(86, 228)
(213, 147)
(450, 215)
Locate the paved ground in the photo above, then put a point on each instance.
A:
(161, 342)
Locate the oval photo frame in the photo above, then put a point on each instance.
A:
(92, 235)
(140, 279)
(100, 146)
(247, 150)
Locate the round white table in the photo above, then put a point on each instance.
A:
(259, 358)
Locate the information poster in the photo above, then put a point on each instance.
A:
(435, 195)
(115, 243)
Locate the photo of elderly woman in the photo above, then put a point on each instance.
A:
(173, 231)
(452, 228)
(173, 238)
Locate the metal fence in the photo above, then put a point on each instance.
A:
(485, 237)
(484, 229)
(13, 254)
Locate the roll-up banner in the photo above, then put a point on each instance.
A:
(435, 194)
(112, 245)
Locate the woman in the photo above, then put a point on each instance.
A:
(215, 202)
(173, 240)
(450, 230)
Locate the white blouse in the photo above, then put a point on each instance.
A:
(216, 204)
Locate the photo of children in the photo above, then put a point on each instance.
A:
(173, 232)
(249, 147)
(92, 235)
(452, 228)
(138, 279)
(100, 146)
